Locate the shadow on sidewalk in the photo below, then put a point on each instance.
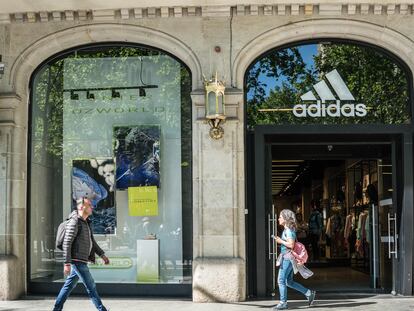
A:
(318, 304)
(331, 304)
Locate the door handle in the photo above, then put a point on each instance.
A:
(269, 234)
(389, 236)
(395, 237)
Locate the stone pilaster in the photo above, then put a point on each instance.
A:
(219, 267)
(12, 212)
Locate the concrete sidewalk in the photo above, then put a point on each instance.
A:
(364, 303)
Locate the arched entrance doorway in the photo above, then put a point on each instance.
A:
(326, 126)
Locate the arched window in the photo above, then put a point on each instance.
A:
(112, 123)
(327, 83)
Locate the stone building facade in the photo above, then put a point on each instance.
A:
(208, 37)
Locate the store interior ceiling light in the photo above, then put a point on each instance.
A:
(74, 96)
(142, 92)
(280, 173)
(90, 95)
(115, 93)
(284, 174)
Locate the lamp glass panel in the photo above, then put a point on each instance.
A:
(211, 105)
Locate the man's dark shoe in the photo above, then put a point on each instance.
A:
(311, 297)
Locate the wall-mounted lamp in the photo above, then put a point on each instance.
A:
(2, 66)
(215, 106)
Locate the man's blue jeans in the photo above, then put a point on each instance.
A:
(79, 270)
(285, 279)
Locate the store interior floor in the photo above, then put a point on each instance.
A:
(337, 279)
(333, 283)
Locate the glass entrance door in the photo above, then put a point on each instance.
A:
(387, 228)
(354, 192)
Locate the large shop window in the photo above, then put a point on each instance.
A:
(113, 124)
(327, 83)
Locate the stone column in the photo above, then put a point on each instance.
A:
(219, 266)
(13, 199)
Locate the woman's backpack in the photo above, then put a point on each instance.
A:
(300, 253)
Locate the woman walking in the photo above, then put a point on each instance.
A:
(287, 261)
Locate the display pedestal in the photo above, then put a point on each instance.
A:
(148, 261)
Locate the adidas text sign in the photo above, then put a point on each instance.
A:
(328, 105)
(330, 110)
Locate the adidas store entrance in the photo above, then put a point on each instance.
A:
(329, 136)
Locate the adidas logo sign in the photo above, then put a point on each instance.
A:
(328, 104)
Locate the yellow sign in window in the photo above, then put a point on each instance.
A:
(143, 201)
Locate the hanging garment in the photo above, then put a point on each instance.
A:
(363, 226)
(367, 228)
(359, 247)
(328, 231)
(348, 226)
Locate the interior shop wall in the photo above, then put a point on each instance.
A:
(329, 174)
(287, 202)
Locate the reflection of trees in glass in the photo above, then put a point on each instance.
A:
(48, 143)
(373, 78)
(47, 111)
(48, 96)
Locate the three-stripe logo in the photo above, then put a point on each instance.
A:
(327, 104)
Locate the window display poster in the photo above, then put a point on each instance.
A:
(143, 201)
(94, 179)
(137, 152)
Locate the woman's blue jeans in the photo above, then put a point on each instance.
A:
(79, 270)
(285, 280)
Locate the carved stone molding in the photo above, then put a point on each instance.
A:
(9, 100)
(322, 9)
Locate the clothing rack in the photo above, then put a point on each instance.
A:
(360, 258)
(361, 177)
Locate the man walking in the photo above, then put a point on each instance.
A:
(79, 247)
